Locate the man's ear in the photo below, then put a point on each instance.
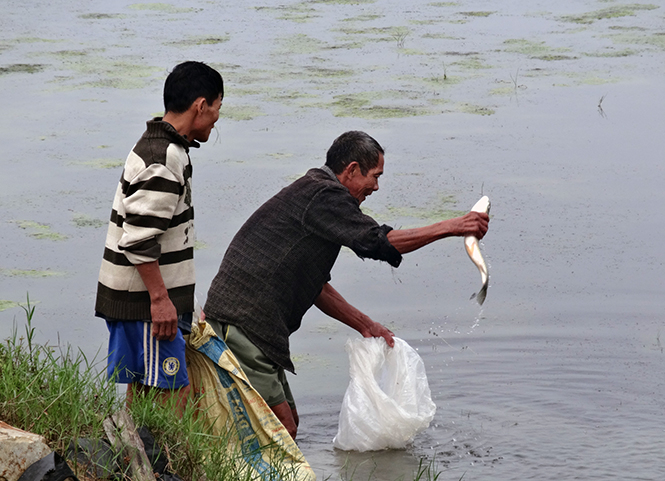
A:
(352, 169)
(199, 105)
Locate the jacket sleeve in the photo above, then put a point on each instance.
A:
(335, 215)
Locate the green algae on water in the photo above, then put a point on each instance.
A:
(363, 18)
(293, 177)
(502, 91)
(281, 155)
(327, 73)
(378, 112)
(590, 78)
(4, 304)
(439, 209)
(471, 63)
(441, 81)
(342, 2)
(39, 231)
(160, 7)
(627, 52)
(634, 38)
(475, 109)
(476, 14)
(82, 221)
(92, 69)
(439, 36)
(196, 41)
(327, 328)
(301, 44)
(240, 112)
(101, 16)
(362, 106)
(534, 49)
(22, 68)
(610, 12)
(101, 163)
(553, 57)
(30, 273)
(299, 12)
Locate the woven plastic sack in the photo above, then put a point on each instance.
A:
(238, 415)
(388, 400)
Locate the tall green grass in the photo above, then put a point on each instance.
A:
(55, 392)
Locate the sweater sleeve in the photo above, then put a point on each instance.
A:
(151, 198)
(336, 216)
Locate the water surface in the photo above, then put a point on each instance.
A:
(553, 110)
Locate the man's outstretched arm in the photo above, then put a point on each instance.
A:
(409, 240)
(332, 303)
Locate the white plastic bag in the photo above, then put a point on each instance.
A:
(388, 400)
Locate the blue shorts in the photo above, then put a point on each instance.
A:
(136, 356)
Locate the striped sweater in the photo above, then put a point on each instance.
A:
(152, 219)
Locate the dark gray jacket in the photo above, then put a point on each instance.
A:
(280, 259)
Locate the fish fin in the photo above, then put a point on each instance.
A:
(482, 294)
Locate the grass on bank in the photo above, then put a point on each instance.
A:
(63, 396)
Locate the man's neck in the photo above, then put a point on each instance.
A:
(329, 171)
(181, 123)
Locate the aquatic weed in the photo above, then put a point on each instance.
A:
(83, 220)
(468, 108)
(194, 41)
(299, 12)
(301, 44)
(22, 68)
(160, 7)
(240, 112)
(476, 14)
(363, 18)
(361, 106)
(101, 163)
(471, 63)
(655, 40)
(610, 12)
(39, 231)
(33, 273)
(92, 69)
(343, 2)
(399, 34)
(534, 49)
(627, 52)
(101, 16)
(5, 304)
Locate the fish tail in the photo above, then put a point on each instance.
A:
(482, 294)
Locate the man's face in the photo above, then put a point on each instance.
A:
(206, 119)
(362, 186)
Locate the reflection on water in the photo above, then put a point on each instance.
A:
(552, 110)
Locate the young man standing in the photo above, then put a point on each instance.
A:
(146, 282)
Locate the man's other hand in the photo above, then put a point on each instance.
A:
(379, 330)
(164, 320)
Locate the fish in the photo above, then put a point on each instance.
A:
(472, 247)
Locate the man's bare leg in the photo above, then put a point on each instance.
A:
(163, 395)
(288, 417)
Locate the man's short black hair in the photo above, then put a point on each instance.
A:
(353, 146)
(187, 82)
